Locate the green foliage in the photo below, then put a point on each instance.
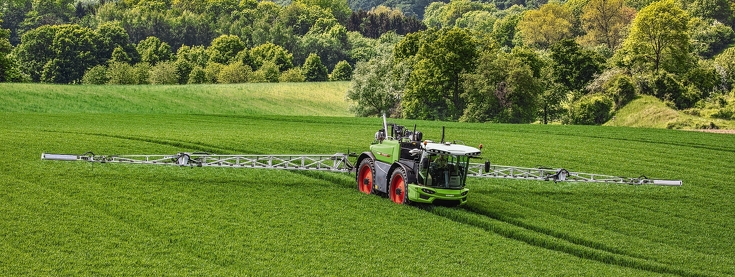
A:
(460, 13)
(292, 75)
(726, 60)
(327, 39)
(234, 73)
(504, 29)
(375, 88)
(342, 72)
(224, 49)
(197, 76)
(270, 52)
(574, 66)
(115, 43)
(502, 89)
(710, 38)
(152, 50)
(96, 76)
(720, 10)
(339, 8)
(6, 64)
(268, 72)
(621, 89)
(183, 70)
(212, 72)
(605, 20)
(667, 87)
(58, 54)
(593, 109)
(659, 38)
(313, 69)
(704, 77)
(435, 87)
(163, 73)
(120, 73)
(545, 26)
(142, 73)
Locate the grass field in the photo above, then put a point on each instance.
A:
(649, 112)
(66, 218)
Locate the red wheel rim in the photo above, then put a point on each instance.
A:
(397, 189)
(365, 182)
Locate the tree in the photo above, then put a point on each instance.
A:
(6, 64)
(545, 26)
(340, 9)
(604, 21)
(435, 87)
(710, 37)
(342, 72)
(374, 88)
(502, 89)
(593, 109)
(720, 10)
(456, 13)
(95, 76)
(152, 50)
(327, 39)
(314, 70)
(224, 49)
(197, 76)
(270, 52)
(120, 73)
(268, 72)
(292, 75)
(234, 73)
(659, 37)
(726, 60)
(574, 67)
(504, 29)
(164, 73)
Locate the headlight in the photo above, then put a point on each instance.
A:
(425, 190)
(465, 192)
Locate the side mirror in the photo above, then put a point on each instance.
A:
(425, 163)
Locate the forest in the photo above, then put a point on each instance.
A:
(574, 62)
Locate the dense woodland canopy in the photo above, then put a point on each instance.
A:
(517, 61)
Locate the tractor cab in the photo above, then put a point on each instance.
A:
(444, 165)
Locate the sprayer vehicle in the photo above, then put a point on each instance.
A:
(400, 165)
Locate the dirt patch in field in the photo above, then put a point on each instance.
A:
(718, 131)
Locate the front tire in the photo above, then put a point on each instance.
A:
(398, 190)
(365, 176)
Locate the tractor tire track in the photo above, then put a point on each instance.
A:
(537, 236)
(175, 143)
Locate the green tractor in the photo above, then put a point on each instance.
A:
(408, 170)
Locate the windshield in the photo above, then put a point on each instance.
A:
(443, 170)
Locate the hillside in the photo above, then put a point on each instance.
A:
(317, 98)
(649, 112)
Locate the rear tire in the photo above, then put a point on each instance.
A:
(365, 176)
(398, 190)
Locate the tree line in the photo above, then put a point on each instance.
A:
(574, 62)
(60, 41)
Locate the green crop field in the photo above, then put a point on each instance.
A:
(76, 218)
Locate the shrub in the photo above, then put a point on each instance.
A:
(95, 76)
(314, 70)
(621, 89)
(233, 73)
(141, 73)
(293, 75)
(268, 72)
(163, 73)
(593, 109)
(120, 73)
(212, 71)
(342, 72)
(197, 76)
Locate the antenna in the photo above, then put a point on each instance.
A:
(385, 125)
(442, 134)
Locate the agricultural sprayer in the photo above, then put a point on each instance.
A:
(400, 165)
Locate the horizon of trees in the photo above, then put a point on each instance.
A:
(573, 61)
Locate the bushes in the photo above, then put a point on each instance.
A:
(95, 76)
(593, 109)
